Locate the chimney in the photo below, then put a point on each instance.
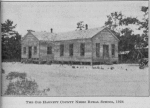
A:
(86, 26)
(51, 30)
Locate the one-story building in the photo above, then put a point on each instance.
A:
(96, 45)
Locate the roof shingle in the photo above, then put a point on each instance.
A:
(80, 34)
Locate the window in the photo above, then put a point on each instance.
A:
(97, 49)
(24, 50)
(82, 49)
(113, 49)
(61, 50)
(35, 50)
(71, 49)
(49, 50)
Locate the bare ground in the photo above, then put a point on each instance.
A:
(103, 80)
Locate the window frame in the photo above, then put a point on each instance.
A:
(49, 50)
(97, 49)
(70, 49)
(113, 50)
(61, 50)
(82, 49)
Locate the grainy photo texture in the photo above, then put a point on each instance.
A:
(75, 49)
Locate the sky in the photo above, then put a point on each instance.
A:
(63, 16)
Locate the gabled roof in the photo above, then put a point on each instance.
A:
(44, 36)
(80, 34)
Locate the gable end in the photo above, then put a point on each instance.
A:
(26, 36)
(112, 34)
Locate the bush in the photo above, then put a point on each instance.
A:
(20, 85)
(14, 75)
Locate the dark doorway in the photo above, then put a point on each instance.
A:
(105, 51)
(30, 52)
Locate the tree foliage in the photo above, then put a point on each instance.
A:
(22, 87)
(120, 24)
(80, 25)
(13, 75)
(144, 23)
(114, 20)
(11, 41)
(122, 27)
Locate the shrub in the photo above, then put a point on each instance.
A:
(20, 85)
(14, 75)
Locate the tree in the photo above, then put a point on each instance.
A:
(144, 25)
(7, 27)
(11, 41)
(80, 25)
(119, 24)
(114, 21)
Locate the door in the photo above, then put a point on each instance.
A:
(30, 52)
(105, 51)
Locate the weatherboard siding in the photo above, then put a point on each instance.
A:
(29, 41)
(43, 51)
(76, 51)
(105, 37)
(42, 41)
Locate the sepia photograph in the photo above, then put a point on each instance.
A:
(75, 49)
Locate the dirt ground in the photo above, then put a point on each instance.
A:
(79, 80)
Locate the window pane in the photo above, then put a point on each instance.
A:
(49, 50)
(71, 49)
(113, 49)
(61, 50)
(97, 49)
(24, 50)
(82, 49)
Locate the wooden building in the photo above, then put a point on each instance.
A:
(97, 45)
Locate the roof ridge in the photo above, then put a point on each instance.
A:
(70, 35)
(82, 30)
(68, 31)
